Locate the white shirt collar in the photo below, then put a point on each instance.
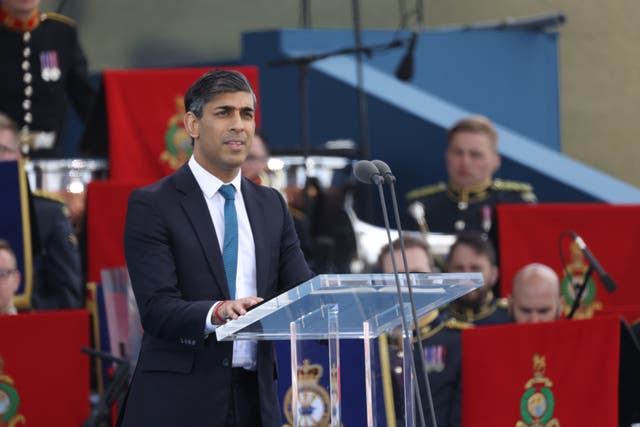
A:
(210, 184)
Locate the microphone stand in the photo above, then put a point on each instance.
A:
(407, 332)
(303, 63)
(368, 173)
(390, 179)
(580, 290)
(115, 393)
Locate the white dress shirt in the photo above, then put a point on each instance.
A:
(244, 352)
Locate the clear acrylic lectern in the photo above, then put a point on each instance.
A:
(330, 307)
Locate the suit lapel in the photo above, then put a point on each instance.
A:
(258, 220)
(196, 209)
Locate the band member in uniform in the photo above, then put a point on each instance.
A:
(43, 67)
(535, 295)
(441, 344)
(468, 200)
(58, 280)
(470, 253)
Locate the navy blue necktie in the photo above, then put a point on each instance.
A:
(230, 246)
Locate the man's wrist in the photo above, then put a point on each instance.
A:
(218, 318)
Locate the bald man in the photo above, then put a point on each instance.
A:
(535, 296)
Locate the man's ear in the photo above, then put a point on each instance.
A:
(192, 125)
(496, 164)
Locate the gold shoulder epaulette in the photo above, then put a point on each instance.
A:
(501, 184)
(426, 191)
(428, 318)
(454, 323)
(503, 303)
(58, 17)
(47, 195)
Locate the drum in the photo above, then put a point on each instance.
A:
(64, 175)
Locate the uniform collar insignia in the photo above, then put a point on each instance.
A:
(17, 24)
(464, 195)
(471, 314)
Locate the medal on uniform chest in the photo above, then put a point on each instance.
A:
(486, 218)
(50, 71)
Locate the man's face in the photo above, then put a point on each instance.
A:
(224, 134)
(464, 259)
(9, 279)
(471, 159)
(417, 261)
(9, 146)
(256, 162)
(535, 299)
(20, 7)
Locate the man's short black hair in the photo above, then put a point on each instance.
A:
(476, 241)
(212, 84)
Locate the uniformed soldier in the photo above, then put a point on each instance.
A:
(468, 200)
(42, 68)
(441, 344)
(472, 252)
(58, 280)
(57, 268)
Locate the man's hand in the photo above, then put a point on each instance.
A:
(232, 309)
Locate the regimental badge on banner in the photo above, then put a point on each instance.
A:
(313, 398)
(537, 402)
(49, 66)
(576, 270)
(434, 356)
(9, 401)
(176, 139)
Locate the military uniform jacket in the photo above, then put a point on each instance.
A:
(42, 68)
(494, 311)
(448, 210)
(442, 346)
(58, 280)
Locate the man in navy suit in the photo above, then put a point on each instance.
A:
(175, 248)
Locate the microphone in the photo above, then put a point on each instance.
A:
(416, 210)
(367, 172)
(607, 281)
(384, 170)
(404, 71)
(389, 178)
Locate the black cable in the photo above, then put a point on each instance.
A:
(578, 288)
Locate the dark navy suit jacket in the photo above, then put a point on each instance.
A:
(182, 377)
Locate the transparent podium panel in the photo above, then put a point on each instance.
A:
(360, 297)
(334, 307)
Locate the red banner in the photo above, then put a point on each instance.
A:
(106, 212)
(44, 376)
(145, 110)
(547, 374)
(612, 232)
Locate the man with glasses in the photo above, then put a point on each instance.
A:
(57, 266)
(9, 278)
